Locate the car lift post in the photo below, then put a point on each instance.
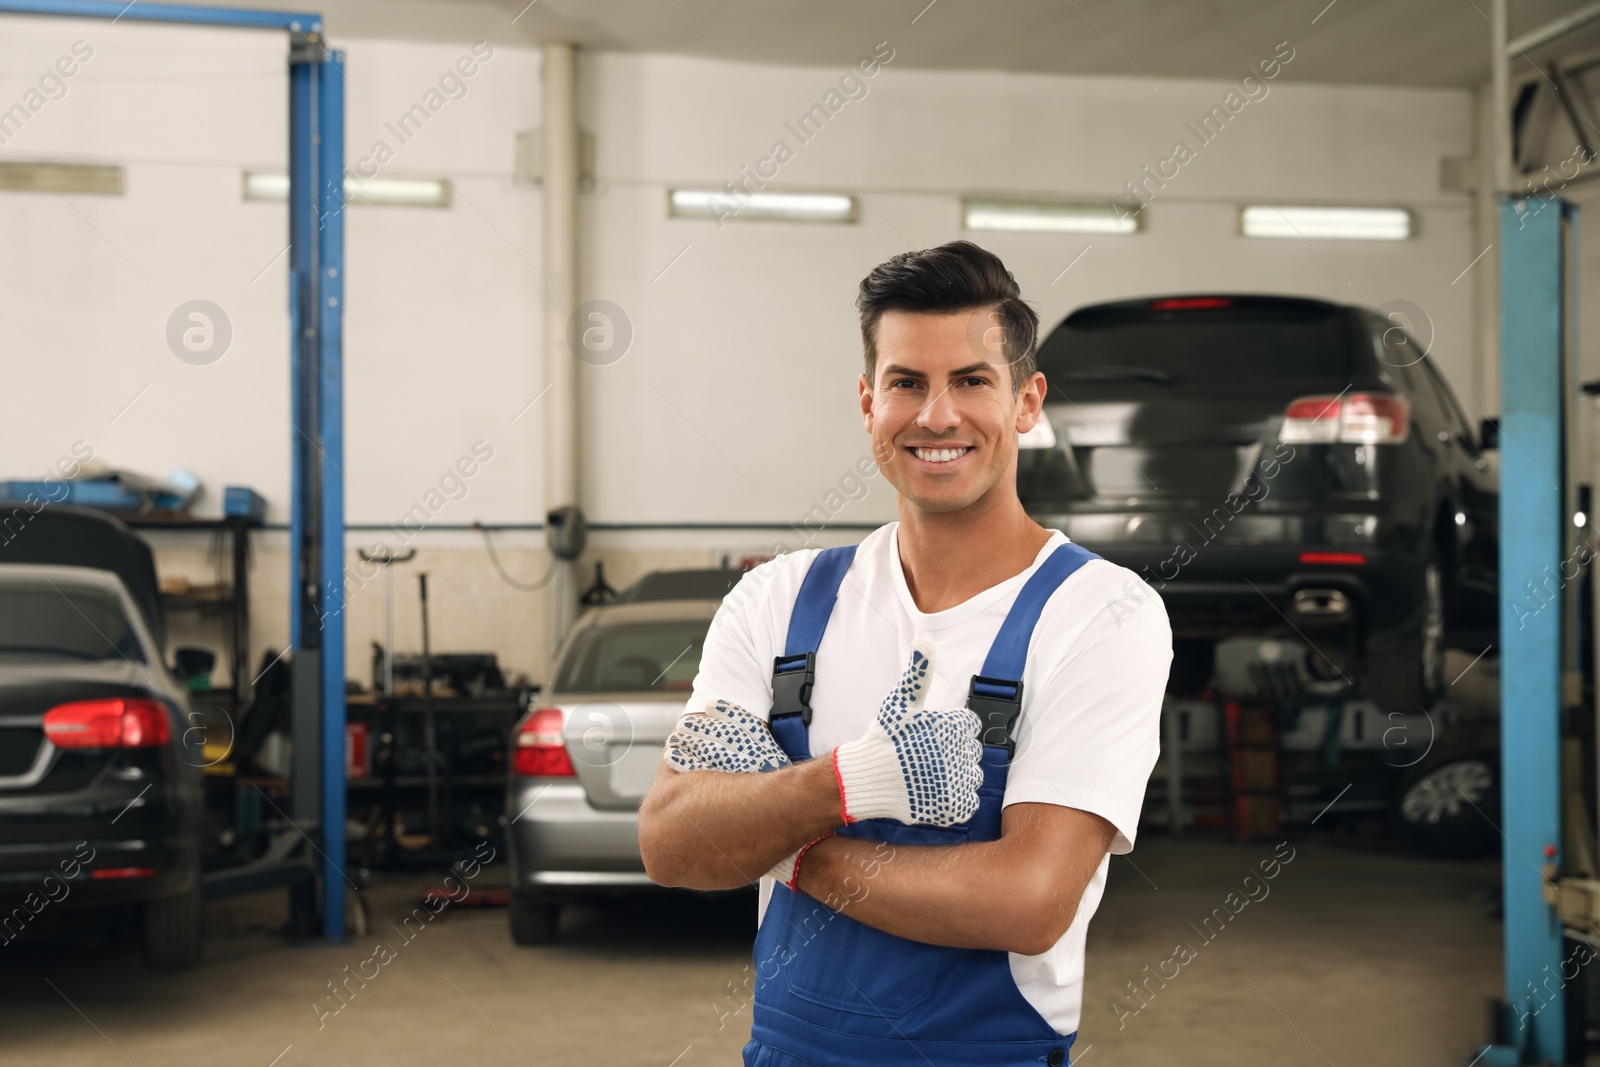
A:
(316, 530)
(1539, 371)
(316, 373)
(1538, 256)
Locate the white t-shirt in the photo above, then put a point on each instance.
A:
(1089, 732)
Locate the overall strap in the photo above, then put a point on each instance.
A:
(996, 691)
(794, 672)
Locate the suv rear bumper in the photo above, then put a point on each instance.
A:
(1245, 583)
(1253, 590)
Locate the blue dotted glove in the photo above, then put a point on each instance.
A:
(725, 737)
(912, 765)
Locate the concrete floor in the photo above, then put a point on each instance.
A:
(1355, 956)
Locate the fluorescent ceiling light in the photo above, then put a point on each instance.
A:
(1346, 223)
(1042, 216)
(790, 207)
(402, 192)
(61, 178)
(396, 192)
(259, 186)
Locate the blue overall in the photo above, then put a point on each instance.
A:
(831, 990)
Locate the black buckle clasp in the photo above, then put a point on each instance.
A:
(792, 678)
(997, 702)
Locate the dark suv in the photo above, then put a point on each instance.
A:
(1274, 466)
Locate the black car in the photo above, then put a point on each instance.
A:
(101, 799)
(1274, 466)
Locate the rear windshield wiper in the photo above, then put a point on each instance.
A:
(1119, 374)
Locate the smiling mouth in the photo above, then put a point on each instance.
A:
(940, 455)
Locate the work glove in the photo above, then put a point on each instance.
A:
(725, 737)
(912, 765)
(728, 738)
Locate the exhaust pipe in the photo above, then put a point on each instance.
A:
(1320, 602)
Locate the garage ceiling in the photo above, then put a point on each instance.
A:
(1439, 43)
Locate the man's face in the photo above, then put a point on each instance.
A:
(943, 419)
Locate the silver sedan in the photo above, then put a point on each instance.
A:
(585, 754)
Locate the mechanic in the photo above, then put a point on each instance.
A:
(930, 878)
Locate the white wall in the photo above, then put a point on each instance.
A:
(442, 318)
(736, 403)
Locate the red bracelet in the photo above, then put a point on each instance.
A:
(794, 879)
(844, 808)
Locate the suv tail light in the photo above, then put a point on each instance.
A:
(117, 722)
(1357, 419)
(1191, 303)
(541, 750)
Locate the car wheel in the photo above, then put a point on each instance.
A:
(173, 928)
(534, 921)
(1451, 808)
(357, 912)
(1409, 674)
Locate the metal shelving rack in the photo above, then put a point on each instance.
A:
(233, 602)
(441, 786)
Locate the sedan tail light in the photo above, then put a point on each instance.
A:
(1357, 419)
(541, 750)
(116, 722)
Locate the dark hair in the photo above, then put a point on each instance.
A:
(958, 276)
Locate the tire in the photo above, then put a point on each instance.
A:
(1450, 808)
(1408, 675)
(357, 913)
(174, 929)
(534, 921)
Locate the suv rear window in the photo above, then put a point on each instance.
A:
(634, 657)
(1199, 347)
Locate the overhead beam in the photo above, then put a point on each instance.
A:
(1534, 129)
(1576, 106)
(186, 14)
(1558, 28)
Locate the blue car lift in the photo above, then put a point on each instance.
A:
(316, 373)
(1539, 381)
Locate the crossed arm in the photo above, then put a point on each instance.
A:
(719, 830)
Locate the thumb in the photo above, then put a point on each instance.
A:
(907, 697)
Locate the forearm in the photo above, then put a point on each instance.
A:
(977, 895)
(720, 830)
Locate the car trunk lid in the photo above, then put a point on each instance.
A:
(615, 743)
